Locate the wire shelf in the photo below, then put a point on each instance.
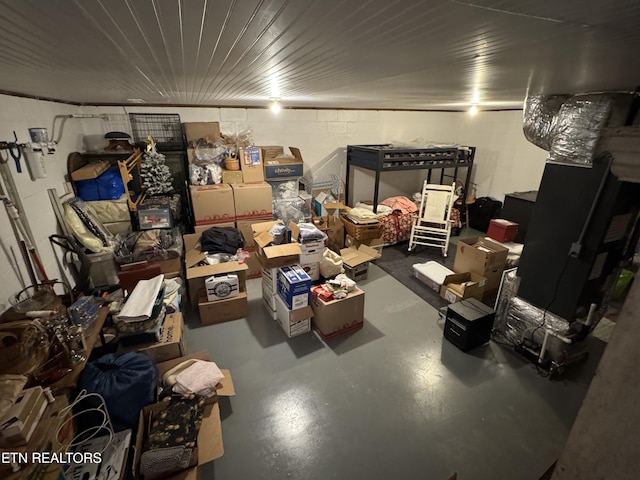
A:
(165, 129)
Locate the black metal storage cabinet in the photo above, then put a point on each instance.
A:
(387, 158)
(518, 207)
(574, 205)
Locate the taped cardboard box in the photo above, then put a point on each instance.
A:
(251, 164)
(459, 286)
(212, 204)
(281, 168)
(207, 130)
(337, 317)
(220, 311)
(172, 343)
(252, 201)
(356, 261)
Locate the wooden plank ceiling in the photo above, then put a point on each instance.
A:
(437, 54)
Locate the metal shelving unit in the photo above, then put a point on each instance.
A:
(387, 158)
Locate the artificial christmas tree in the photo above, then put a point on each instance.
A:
(156, 176)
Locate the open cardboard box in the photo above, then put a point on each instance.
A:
(280, 168)
(210, 446)
(356, 261)
(224, 389)
(172, 343)
(459, 286)
(273, 256)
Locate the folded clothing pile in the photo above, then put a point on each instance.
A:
(335, 288)
(193, 376)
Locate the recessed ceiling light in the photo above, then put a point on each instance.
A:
(275, 105)
(135, 100)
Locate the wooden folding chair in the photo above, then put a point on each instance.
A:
(432, 224)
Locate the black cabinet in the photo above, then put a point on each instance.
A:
(583, 225)
(518, 207)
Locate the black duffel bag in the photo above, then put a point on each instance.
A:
(482, 211)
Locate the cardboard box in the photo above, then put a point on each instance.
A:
(267, 306)
(212, 204)
(170, 267)
(209, 443)
(336, 317)
(312, 269)
(482, 256)
(196, 275)
(356, 261)
(269, 298)
(334, 229)
(281, 168)
(293, 322)
(172, 343)
(232, 176)
(253, 264)
(502, 230)
(251, 165)
(270, 280)
(377, 243)
(196, 130)
(293, 286)
(90, 171)
(273, 256)
(252, 201)
(244, 226)
(21, 420)
(201, 228)
(221, 311)
(459, 286)
(432, 274)
(311, 252)
(272, 151)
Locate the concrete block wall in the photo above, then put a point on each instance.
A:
(19, 114)
(505, 161)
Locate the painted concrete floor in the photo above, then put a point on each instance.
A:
(393, 400)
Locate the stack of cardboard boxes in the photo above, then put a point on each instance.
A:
(477, 270)
(230, 307)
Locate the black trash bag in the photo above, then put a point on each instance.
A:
(221, 240)
(127, 383)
